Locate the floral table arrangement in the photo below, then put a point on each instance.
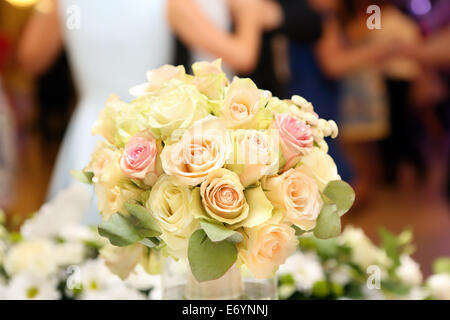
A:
(56, 257)
(220, 175)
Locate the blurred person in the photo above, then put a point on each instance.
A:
(431, 100)
(242, 33)
(7, 149)
(205, 28)
(109, 44)
(339, 75)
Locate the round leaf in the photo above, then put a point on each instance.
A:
(119, 231)
(218, 232)
(342, 194)
(209, 260)
(328, 223)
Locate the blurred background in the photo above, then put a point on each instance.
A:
(387, 88)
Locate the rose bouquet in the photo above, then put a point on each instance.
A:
(212, 172)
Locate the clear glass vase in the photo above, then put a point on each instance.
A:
(237, 283)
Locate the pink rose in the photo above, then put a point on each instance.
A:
(139, 158)
(295, 137)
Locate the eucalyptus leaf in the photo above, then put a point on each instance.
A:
(341, 193)
(143, 221)
(218, 232)
(209, 260)
(298, 231)
(328, 223)
(150, 242)
(119, 230)
(82, 176)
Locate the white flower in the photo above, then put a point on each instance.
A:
(119, 292)
(155, 294)
(409, 271)
(341, 275)
(81, 233)
(364, 252)
(439, 285)
(69, 253)
(26, 286)
(306, 269)
(321, 166)
(139, 279)
(67, 209)
(37, 257)
(372, 294)
(96, 277)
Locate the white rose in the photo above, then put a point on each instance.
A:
(175, 106)
(321, 166)
(169, 204)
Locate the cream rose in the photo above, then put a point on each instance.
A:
(166, 112)
(201, 150)
(223, 197)
(255, 155)
(112, 187)
(321, 166)
(156, 79)
(241, 104)
(267, 247)
(295, 138)
(209, 78)
(298, 195)
(169, 204)
(139, 158)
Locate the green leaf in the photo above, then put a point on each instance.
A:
(320, 289)
(150, 242)
(124, 230)
(82, 176)
(143, 221)
(218, 232)
(209, 260)
(441, 265)
(328, 223)
(119, 230)
(342, 194)
(298, 231)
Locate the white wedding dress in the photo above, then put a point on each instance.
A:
(111, 45)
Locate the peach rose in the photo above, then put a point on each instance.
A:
(156, 79)
(268, 246)
(201, 150)
(241, 104)
(138, 160)
(298, 195)
(223, 197)
(295, 137)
